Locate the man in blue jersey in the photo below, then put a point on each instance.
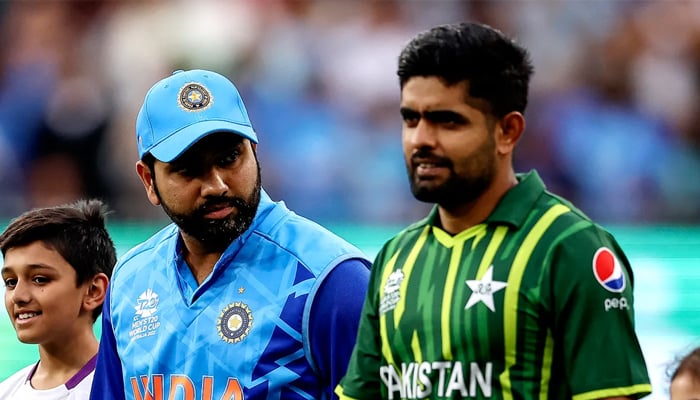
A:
(238, 298)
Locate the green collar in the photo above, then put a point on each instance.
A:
(517, 203)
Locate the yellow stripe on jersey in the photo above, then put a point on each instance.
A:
(398, 311)
(407, 270)
(487, 260)
(617, 392)
(341, 396)
(386, 349)
(455, 258)
(457, 245)
(510, 303)
(546, 373)
(415, 346)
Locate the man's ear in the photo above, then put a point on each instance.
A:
(146, 176)
(96, 292)
(512, 127)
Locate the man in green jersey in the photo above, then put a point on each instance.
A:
(504, 291)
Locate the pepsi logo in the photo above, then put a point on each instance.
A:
(608, 271)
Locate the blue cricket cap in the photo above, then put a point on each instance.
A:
(185, 107)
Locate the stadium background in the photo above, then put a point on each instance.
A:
(613, 121)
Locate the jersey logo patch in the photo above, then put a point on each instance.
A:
(194, 97)
(391, 296)
(483, 290)
(608, 270)
(234, 322)
(146, 321)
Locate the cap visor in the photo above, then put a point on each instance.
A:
(177, 143)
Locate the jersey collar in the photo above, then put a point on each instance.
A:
(516, 204)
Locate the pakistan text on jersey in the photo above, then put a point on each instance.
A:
(439, 378)
(183, 387)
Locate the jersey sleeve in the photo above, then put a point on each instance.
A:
(592, 311)
(362, 380)
(107, 383)
(333, 320)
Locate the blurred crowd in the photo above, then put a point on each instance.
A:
(612, 120)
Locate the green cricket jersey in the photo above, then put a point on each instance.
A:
(534, 303)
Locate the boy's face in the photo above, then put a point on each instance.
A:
(41, 296)
(685, 387)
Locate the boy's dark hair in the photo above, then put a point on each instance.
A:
(689, 364)
(76, 231)
(496, 68)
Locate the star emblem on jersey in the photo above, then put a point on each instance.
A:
(483, 290)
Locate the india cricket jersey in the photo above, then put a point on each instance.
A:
(534, 303)
(243, 333)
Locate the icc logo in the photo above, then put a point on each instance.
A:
(147, 304)
(608, 271)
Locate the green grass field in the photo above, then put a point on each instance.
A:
(666, 263)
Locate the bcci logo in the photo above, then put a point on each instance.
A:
(234, 322)
(194, 97)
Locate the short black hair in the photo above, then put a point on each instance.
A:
(496, 68)
(149, 160)
(76, 231)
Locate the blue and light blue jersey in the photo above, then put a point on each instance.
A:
(276, 319)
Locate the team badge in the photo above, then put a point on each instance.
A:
(608, 270)
(483, 290)
(194, 97)
(234, 322)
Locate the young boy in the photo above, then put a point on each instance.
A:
(57, 263)
(685, 380)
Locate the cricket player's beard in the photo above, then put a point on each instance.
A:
(217, 234)
(457, 190)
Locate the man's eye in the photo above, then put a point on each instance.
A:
(411, 120)
(450, 124)
(182, 170)
(10, 282)
(229, 158)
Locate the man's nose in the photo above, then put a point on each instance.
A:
(214, 183)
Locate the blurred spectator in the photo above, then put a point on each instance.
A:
(613, 115)
(53, 111)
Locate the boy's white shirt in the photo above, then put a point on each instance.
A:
(18, 387)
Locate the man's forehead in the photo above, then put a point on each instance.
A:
(219, 138)
(215, 143)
